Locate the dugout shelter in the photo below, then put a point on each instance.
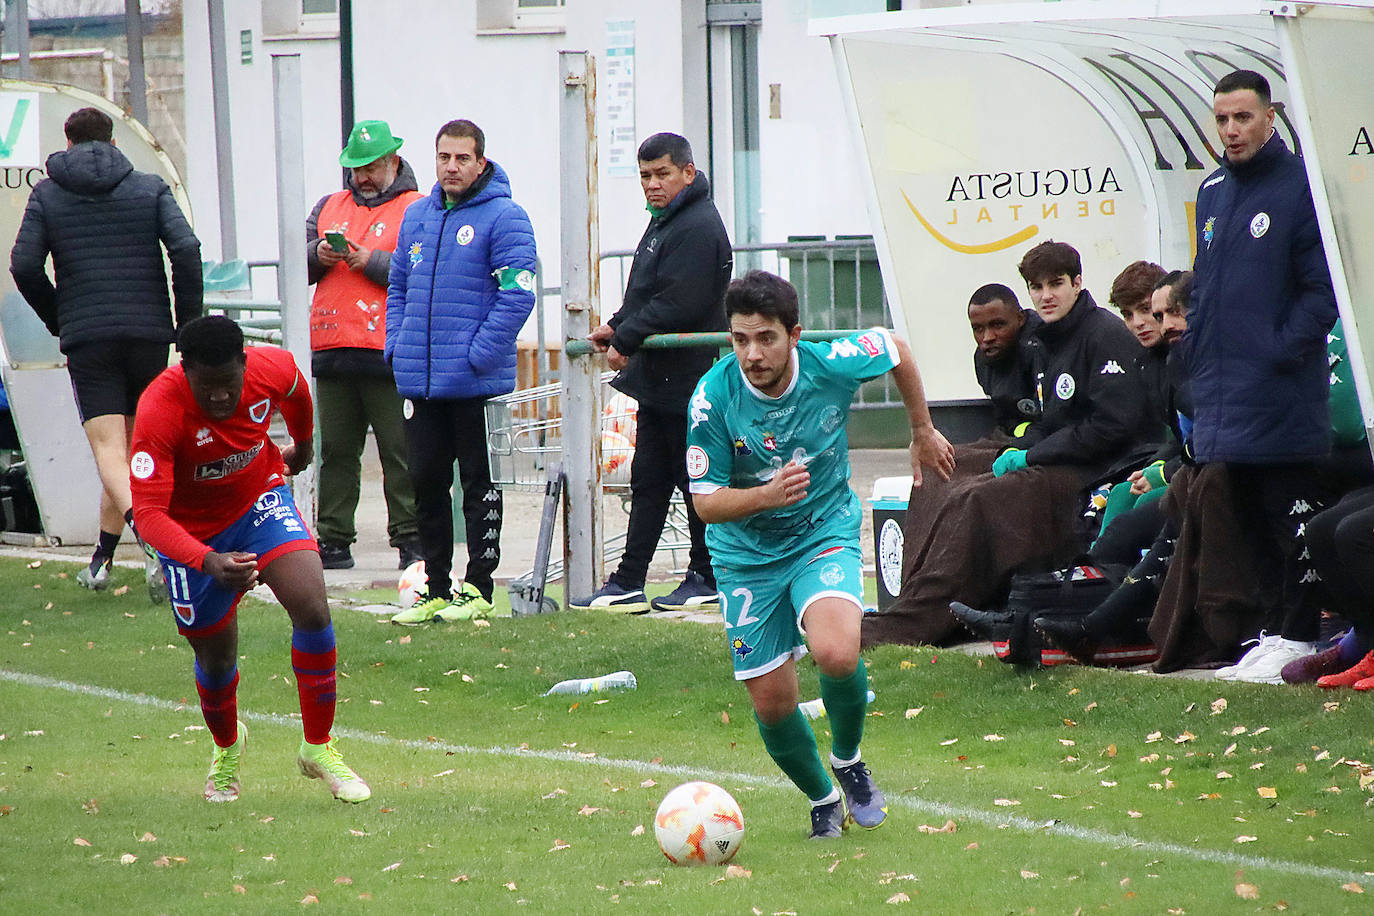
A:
(987, 129)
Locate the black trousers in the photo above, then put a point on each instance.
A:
(659, 467)
(1277, 502)
(438, 433)
(1341, 541)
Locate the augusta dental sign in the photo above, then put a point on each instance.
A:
(990, 129)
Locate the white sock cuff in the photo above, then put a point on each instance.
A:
(830, 799)
(837, 763)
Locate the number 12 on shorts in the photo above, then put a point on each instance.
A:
(746, 600)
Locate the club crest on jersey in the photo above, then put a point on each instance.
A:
(465, 234)
(1209, 229)
(1260, 224)
(203, 436)
(260, 411)
(1064, 386)
(742, 447)
(267, 501)
(770, 442)
(740, 647)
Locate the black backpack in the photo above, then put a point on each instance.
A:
(1073, 591)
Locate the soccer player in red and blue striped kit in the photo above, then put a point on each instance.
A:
(210, 495)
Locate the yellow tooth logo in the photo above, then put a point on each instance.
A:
(1015, 238)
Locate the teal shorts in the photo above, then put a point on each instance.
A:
(763, 605)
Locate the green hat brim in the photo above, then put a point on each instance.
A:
(357, 162)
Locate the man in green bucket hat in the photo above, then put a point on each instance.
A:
(350, 236)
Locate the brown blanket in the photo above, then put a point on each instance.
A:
(1213, 595)
(965, 538)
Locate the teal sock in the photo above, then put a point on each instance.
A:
(792, 745)
(846, 703)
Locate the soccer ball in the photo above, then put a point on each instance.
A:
(411, 583)
(699, 823)
(616, 452)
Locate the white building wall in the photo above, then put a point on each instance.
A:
(419, 68)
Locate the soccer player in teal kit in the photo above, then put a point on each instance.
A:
(768, 460)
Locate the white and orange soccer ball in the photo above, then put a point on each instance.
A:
(699, 823)
(411, 583)
(616, 453)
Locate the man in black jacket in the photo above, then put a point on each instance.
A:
(676, 284)
(105, 226)
(1002, 361)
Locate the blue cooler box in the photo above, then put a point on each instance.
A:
(888, 504)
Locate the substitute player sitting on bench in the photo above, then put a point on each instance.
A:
(210, 495)
(768, 460)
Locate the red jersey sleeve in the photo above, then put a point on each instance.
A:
(297, 408)
(159, 424)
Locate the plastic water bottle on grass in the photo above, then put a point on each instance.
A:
(620, 680)
(815, 709)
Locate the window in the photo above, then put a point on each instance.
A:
(534, 16)
(319, 7)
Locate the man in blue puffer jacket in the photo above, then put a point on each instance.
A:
(461, 286)
(1255, 349)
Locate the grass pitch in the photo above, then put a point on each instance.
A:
(1058, 791)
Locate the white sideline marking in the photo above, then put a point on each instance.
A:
(977, 815)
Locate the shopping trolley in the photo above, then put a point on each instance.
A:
(525, 448)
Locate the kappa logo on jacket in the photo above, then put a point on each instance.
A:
(1112, 367)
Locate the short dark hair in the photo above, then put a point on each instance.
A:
(88, 124)
(1237, 80)
(1135, 283)
(761, 293)
(1048, 260)
(994, 292)
(462, 127)
(674, 146)
(1180, 291)
(210, 342)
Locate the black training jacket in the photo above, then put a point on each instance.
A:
(105, 226)
(1010, 381)
(676, 284)
(1095, 410)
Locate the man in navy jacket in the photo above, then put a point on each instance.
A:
(461, 287)
(1261, 308)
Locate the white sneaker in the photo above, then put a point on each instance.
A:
(1267, 670)
(1257, 651)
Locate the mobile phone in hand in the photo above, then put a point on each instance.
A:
(337, 241)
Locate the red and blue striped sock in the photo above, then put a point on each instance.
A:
(219, 704)
(313, 659)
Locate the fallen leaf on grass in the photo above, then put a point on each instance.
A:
(458, 879)
(1324, 755)
(555, 793)
(1153, 737)
(343, 879)
(724, 718)
(993, 738)
(970, 847)
(240, 889)
(587, 810)
(90, 807)
(1222, 774)
(1218, 706)
(949, 827)
(147, 838)
(81, 841)
(162, 862)
(1246, 839)
(1005, 802)
(1247, 892)
(559, 844)
(898, 897)
(1267, 792)
(405, 640)
(1185, 737)
(35, 564)
(128, 859)
(1029, 874)
(949, 742)
(1134, 814)
(648, 784)
(353, 831)
(1353, 888)
(638, 831)
(914, 711)
(308, 899)
(735, 871)
(392, 867)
